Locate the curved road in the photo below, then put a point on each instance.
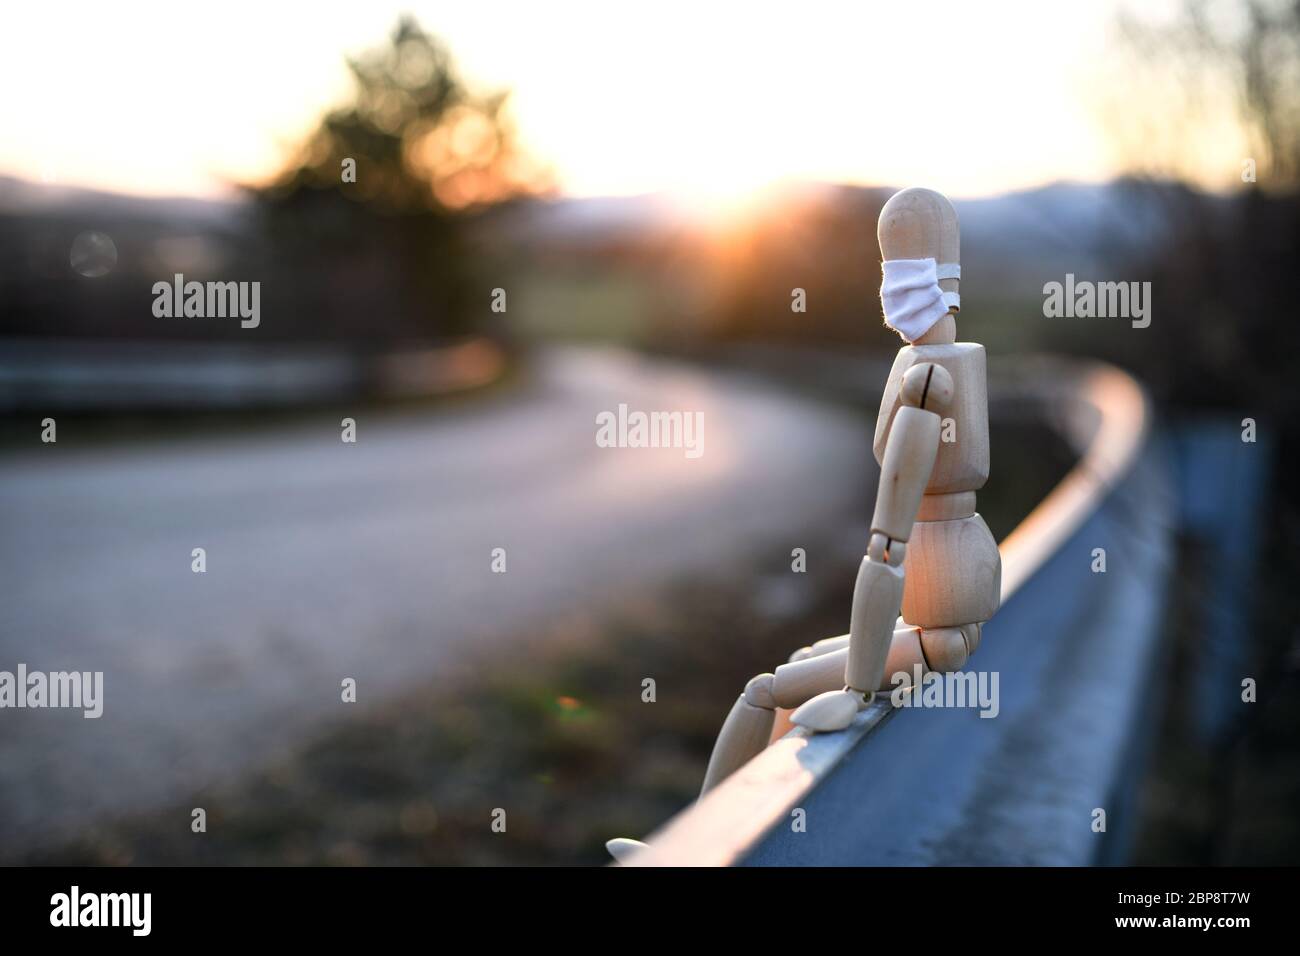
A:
(328, 560)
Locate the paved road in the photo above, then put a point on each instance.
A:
(328, 560)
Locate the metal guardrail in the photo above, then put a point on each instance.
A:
(1075, 653)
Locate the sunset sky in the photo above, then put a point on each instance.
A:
(706, 99)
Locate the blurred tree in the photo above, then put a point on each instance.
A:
(1220, 266)
(1214, 69)
(368, 220)
(1221, 80)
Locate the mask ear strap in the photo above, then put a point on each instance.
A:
(949, 270)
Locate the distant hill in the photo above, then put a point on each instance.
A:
(21, 198)
(1049, 220)
(1074, 219)
(653, 262)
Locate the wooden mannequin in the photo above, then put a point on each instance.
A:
(930, 554)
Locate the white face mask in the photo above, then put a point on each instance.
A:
(911, 297)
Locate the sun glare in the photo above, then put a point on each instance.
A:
(713, 103)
